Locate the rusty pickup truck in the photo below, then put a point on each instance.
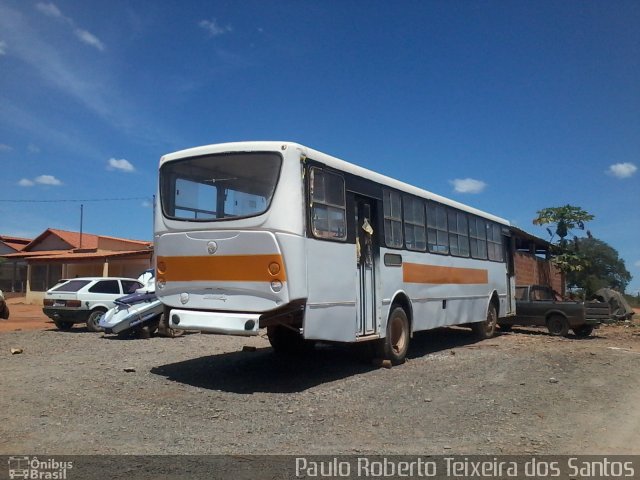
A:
(539, 305)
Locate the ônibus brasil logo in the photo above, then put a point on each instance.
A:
(36, 469)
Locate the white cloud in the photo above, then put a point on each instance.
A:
(47, 180)
(146, 204)
(468, 185)
(637, 264)
(25, 182)
(122, 165)
(31, 148)
(3, 48)
(89, 39)
(5, 148)
(213, 28)
(42, 180)
(50, 10)
(622, 170)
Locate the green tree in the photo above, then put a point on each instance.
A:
(562, 221)
(602, 267)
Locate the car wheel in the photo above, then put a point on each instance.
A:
(94, 320)
(558, 325)
(63, 325)
(487, 328)
(395, 345)
(583, 331)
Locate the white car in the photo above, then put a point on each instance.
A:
(80, 300)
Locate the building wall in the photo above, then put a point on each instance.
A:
(13, 276)
(117, 244)
(74, 270)
(534, 270)
(51, 242)
(130, 268)
(6, 249)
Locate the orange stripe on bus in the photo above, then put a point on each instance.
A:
(417, 273)
(222, 268)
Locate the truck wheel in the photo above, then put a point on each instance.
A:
(287, 341)
(62, 325)
(395, 345)
(558, 325)
(487, 328)
(94, 319)
(583, 331)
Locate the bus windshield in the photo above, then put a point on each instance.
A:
(217, 187)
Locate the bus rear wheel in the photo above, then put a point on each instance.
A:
(395, 345)
(286, 340)
(487, 328)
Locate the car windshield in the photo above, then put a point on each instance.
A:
(217, 187)
(71, 286)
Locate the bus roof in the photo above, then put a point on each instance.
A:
(330, 161)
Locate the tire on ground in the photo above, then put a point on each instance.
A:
(583, 331)
(558, 325)
(286, 340)
(164, 330)
(395, 345)
(63, 324)
(94, 319)
(487, 328)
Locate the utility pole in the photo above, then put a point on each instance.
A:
(81, 211)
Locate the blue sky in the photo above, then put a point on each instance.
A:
(507, 106)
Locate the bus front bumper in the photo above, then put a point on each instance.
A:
(245, 324)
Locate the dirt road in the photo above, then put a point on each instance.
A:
(521, 392)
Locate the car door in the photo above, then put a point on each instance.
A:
(103, 293)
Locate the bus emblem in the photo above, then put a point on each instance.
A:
(212, 247)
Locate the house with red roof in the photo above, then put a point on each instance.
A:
(13, 275)
(56, 254)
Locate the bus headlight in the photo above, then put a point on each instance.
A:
(276, 285)
(160, 283)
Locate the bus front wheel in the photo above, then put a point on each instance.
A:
(395, 345)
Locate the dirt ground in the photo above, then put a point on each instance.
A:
(523, 392)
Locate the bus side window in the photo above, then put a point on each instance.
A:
(437, 233)
(328, 206)
(392, 219)
(478, 237)
(414, 228)
(494, 242)
(458, 234)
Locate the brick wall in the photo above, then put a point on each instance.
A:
(534, 270)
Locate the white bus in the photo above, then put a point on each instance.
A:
(276, 235)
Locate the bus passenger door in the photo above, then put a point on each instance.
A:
(509, 248)
(367, 251)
